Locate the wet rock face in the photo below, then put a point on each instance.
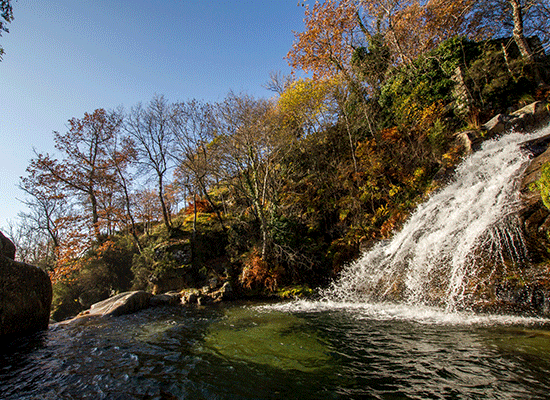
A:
(25, 294)
(534, 215)
(524, 298)
(530, 291)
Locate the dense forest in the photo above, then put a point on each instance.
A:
(280, 192)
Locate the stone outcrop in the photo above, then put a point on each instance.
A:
(208, 294)
(529, 291)
(165, 299)
(131, 302)
(534, 216)
(528, 118)
(173, 265)
(120, 304)
(7, 248)
(25, 294)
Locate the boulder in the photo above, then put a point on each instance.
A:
(225, 292)
(165, 299)
(207, 295)
(529, 117)
(525, 119)
(7, 248)
(538, 109)
(25, 294)
(495, 125)
(121, 304)
(471, 140)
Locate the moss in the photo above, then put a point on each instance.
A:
(292, 292)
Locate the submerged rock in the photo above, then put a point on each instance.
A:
(25, 294)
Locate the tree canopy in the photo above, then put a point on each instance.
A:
(6, 12)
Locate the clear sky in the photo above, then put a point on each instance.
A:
(67, 57)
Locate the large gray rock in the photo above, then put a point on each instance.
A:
(25, 294)
(123, 303)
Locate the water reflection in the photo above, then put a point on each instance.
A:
(275, 339)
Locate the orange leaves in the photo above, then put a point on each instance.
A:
(257, 273)
(392, 223)
(202, 206)
(74, 242)
(325, 47)
(391, 135)
(333, 29)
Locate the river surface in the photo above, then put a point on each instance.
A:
(295, 350)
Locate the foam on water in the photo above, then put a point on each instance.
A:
(466, 227)
(404, 312)
(425, 273)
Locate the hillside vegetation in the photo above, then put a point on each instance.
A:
(270, 193)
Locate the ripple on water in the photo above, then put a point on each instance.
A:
(292, 350)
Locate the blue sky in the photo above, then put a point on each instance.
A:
(65, 57)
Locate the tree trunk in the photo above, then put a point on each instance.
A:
(521, 40)
(165, 215)
(519, 37)
(212, 204)
(95, 215)
(129, 209)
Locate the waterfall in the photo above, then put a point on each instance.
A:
(453, 244)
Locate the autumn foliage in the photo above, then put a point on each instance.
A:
(286, 190)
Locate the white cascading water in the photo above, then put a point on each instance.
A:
(466, 226)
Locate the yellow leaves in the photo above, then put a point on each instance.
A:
(305, 100)
(369, 157)
(419, 173)
(343, 214)
(394, 189)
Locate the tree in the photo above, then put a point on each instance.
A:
(51, 222)
(46, 202)
(278, 82)
(150, 127)
(334, 31)
(122, 154)
(412, 28)
(307, 105)
(6, 12)
(194, 127)
(326, 46)
(87, 166)
(519, 9)
(248, 146)
(147, 208)
(33, 246)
